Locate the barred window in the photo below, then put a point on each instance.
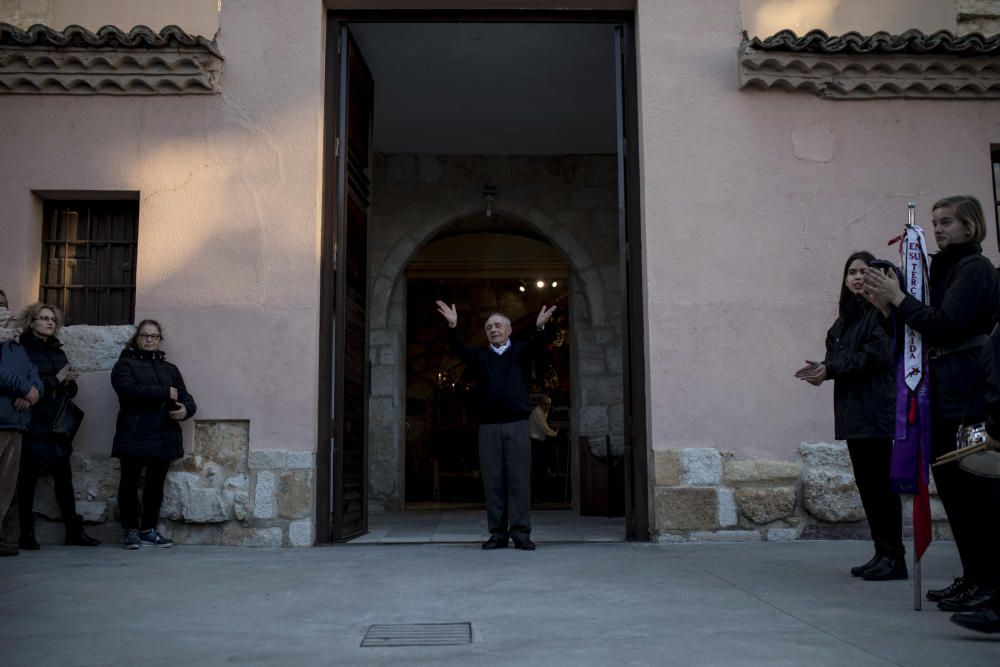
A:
(88, 260)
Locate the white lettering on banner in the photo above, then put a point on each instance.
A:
(914, 260)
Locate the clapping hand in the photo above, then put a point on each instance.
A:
(179, 414)
(448, 312)
(882, 289)
(544, 315)
(813, 372)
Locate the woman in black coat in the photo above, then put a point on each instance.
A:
(860, 359)
(964, 294)
(153, 401)
(41, 448)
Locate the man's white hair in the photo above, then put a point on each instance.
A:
(500, 315)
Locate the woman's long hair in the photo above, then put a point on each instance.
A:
(845, 294)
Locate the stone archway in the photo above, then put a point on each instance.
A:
(570, 201)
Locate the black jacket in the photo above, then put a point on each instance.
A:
(502, 380)
(142, 381)
(860, 358)
(965, 293)
(989, 360)
(48, 357)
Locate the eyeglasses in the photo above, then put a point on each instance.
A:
(150, 336)
(45, 318)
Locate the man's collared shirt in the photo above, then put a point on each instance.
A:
(503, 348)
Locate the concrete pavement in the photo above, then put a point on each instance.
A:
(565, 604)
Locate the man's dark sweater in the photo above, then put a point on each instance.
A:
(502, 380)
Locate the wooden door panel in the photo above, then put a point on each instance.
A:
(349, 515)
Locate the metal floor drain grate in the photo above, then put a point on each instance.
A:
(418, 634)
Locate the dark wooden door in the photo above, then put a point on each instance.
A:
(629, 242)
(349, 506)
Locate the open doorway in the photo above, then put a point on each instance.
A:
(486, 136)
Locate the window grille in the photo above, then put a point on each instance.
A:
(88, 260)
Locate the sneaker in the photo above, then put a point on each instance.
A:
(132, 538)
(151, 538)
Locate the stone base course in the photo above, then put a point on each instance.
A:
(219, 494)
(701, 494)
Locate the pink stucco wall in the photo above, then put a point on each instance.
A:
(751, 202)
(229, 217)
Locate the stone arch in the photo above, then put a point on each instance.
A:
(569, 202)
(560, 236)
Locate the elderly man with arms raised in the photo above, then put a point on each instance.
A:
(502, 373)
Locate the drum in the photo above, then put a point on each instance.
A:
(972, 453)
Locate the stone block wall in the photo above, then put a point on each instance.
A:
(701, 494)
(220, 493)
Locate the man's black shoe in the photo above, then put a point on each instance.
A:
(987, 620)
(495, 542)
(960, 585)
(977, 598)
(523, 543)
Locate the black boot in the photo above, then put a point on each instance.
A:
(858, 570)
(26, 523)
(75, 537)
(891, 565)
(26, 540)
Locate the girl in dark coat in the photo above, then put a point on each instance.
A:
(964, 292)
(153, 401)
(41, 448)
(860, 359)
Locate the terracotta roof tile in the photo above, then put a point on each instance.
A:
(74, 36)
(911, 42)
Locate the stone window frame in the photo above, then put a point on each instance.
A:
(854, 66)
(76, 61)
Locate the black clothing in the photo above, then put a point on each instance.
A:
(48, 357)
(145, 430)
(152, 492)
(860, 361)
(968, 500)
(964, 297)
(871, 460)
(989, 361)
(502, 380)
(32, 466)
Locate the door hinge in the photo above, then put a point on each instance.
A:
(336, 147)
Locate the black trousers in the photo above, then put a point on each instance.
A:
(27, 479)
(505, 460)
(972, 504)
(152, 492)
(871, 460)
